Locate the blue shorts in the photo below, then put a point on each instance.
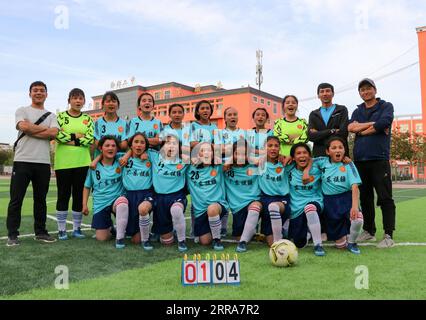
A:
(238, 221)
(102, 219)
(337, 210)
(298, 229)
(266, 227)
(135, 198)
(202, 225)
(162, 218)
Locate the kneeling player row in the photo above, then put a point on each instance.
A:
(286, 197)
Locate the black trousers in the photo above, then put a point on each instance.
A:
(70, 181)
(376, 175)
(23, 173)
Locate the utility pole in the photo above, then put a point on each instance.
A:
(259, 68)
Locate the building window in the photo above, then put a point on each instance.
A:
(254, 98)
(97, 105)
(419, 127)
(275, 108)
(167, 94)
(157, 96)
(403, 128)
(268, 103)
(262, 101)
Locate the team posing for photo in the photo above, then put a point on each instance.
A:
(143, 171)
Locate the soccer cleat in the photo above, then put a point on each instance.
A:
(242, 247)
(78, 234)
(353, 247)
(319, 250)
(182, 246)
(365, 236)
(223, 232)
(217, 245)
(147, 246)
(44, 238)
(62, 235)
(12, 242)
(387, 242)
(119, 244)
(196, 239)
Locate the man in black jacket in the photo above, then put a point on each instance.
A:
(329, 120)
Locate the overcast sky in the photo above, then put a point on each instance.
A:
(88, 44)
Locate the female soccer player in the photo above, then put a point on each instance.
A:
(137, 180)
(203, 130)
(206, 186)
(275, 197)
(231, 134)
(257, 136)
(290, 129)
(341, 193)
(243, 195)
(110, 124)
(145, 122)
(176, 114)
(72, 159)
(306, 200)
(169, 171)
(108, 194)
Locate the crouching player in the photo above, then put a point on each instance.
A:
(137, 180)
(275, 193)
(107, 185)
(340, 188)
(206, 185)
(243, 195)
(169, 171)
(306, 200)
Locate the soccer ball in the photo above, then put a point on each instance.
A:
(283, 253)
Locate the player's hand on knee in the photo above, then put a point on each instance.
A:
(354, 213)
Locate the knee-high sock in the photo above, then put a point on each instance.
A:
(144, 222)
(313, 223)
(225, 221)
(61, 216)
(178, 220)
(356, 227)
(215, 226)
(250, 225)
(77, 217)
(276, 222)
(121, 217)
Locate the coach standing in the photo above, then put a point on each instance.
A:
(36, 127)
(371, 122)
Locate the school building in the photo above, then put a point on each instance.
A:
(245, 100)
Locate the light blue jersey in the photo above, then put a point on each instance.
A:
(337, 177)
(183, 134)
(151, 128)
(106, 184)
(302, 194)
(242, 186)
(257, 140)
(274, 179)
(206, 186)
(229, 137)
(168, 176)
(137, 174)
(109, 128)
(204, 133)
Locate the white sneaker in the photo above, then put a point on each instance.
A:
(365, 236)
(387, 242)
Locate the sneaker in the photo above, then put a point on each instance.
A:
(62, 235)
(223, 232)
(12, 241)
(182, 246)
(147, 246)
(365, 236)
(78, 234)
(242, 246)
(387, 242)
(119, 244)
(319, 250)
(353, 247)
(45, 238)
(323, 237)
(217, 245)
